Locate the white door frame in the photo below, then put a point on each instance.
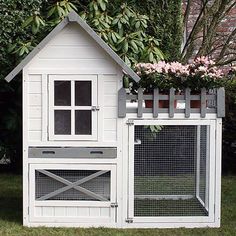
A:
(164, 220)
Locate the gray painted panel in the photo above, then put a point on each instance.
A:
(122, 103)
(155, 102)
(171, 103)
(203, 102)
(187, 102)
(140, 102)
(71, 152)
(221, 102)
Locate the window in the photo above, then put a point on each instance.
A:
(73, 107)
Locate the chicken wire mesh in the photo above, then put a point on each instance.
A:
(165, 170)
(97, 188)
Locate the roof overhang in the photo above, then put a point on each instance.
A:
(72, 17)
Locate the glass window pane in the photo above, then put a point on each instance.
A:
(83, 122)
(62, 123)
(62, 93)
(83, 93)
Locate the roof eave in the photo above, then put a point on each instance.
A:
(72, 17)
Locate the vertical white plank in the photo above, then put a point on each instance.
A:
(207, 168)
(38, 211)
(198, 153)
(104, 212)
(218, 171)
(60, 211)
(48, 211)
(44, 107)
(120, 184)
(131, 173)
(94, 211)
(25, 147)
(83, 211)
(95, 103)
(212, 171)
(71, 211)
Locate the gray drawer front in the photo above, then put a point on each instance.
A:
(80, 152)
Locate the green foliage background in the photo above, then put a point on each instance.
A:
(164, 26)
(165, 23)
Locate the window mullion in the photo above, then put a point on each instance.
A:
(73, 107)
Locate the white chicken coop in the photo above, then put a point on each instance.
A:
(90, 155)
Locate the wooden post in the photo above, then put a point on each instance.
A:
(187, 102)
(122, 103)
(203, 103)
(155, 102)
(140, 102)
(171, 102)
(220, 102)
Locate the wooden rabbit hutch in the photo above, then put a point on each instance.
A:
(90, 155)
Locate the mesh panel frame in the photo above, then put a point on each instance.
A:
(165, 171)
(99, 185)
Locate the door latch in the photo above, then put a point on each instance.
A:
(129, 220)
(114, 204)
(95, 108)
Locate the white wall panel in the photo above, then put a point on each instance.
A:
(34, 84)
(110, 108)
(73, 49)
(64, 211)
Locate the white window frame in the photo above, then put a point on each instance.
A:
(73, 108)
(33, 204)
(137, 221)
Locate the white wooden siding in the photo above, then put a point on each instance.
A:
(34, 84)
(74, 49)
(64, 211)
(110, 108)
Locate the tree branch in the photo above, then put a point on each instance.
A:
(224, 48)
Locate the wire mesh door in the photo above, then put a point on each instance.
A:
(169, 170)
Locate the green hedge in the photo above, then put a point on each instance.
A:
(166, 18)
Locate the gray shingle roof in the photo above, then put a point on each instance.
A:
(72, 17)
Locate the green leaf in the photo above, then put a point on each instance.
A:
(113, 37)
(115, 20)
(151, 57)
(125, 46)
(127, 61)
(22, 51)
(102, 5)
(51, 11)
(37, 22)
(73, 6)
(133, 44)
(35, 29)
(120, 40)
(137, 25)
(27, 22)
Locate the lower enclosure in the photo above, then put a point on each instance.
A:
(168, 179)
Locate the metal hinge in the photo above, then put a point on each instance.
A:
(129, 220)
(95, 108)
(114, 204)
(130, 122)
